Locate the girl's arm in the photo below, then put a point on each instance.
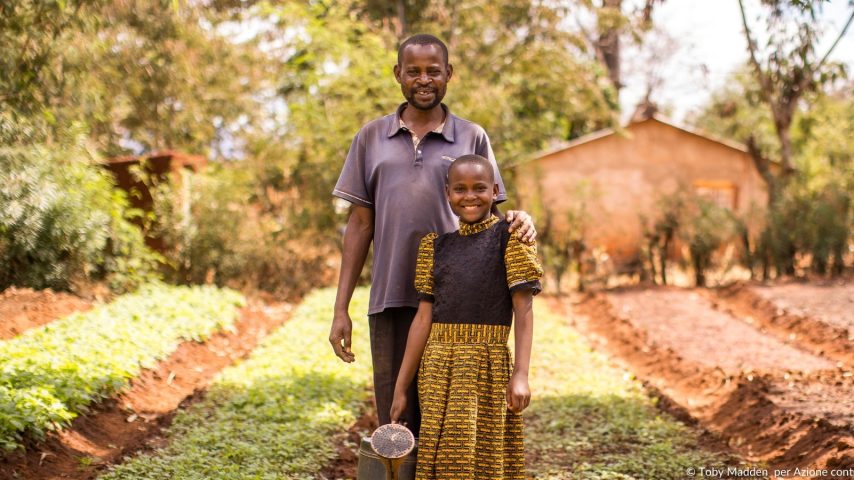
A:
(415, 343)
(518, 392)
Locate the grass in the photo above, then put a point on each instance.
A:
(590, 420)
(50, 374)
(273, 415)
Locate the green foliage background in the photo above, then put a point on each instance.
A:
(273, 92)
(62, 221)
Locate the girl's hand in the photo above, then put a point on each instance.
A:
(518, 393)
(398, 405)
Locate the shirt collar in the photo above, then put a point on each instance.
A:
(447, 127)
(472, 228)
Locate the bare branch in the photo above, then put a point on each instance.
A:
(764, 81)
(808, 78)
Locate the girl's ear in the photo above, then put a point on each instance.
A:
(447, 192)
(494, 191)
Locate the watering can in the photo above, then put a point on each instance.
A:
(388, 454)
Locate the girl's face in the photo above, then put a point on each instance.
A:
(471, 191)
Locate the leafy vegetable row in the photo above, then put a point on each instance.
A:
(50, 374)
(273, 415)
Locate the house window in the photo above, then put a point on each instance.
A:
(720, 192)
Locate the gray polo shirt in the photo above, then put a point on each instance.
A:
(405, 186)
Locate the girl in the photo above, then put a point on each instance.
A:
(470, 284)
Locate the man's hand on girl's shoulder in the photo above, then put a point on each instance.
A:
(523, 225)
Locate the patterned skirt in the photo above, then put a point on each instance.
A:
(467, 432)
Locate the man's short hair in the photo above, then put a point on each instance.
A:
(472, 159)
(423, 39)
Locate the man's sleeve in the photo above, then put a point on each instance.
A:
(484, 149)
(352, 184)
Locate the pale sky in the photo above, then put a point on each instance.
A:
(710, 44)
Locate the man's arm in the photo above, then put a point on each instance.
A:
(357, 241)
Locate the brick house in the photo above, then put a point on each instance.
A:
(625, 173)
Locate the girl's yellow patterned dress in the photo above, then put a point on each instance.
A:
(467, 432)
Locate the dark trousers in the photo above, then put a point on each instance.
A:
(389, 330)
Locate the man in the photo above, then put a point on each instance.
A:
(394, 177)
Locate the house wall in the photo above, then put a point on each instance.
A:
(624, 175)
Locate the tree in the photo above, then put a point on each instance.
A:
(612, 23)
(791, 68)
(660, 232)
(31, 33)
(811, 216)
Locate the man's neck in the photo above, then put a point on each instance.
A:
(422, 121)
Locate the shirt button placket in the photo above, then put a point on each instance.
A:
(419, 158)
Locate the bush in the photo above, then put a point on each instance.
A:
(62, 220)
(686, 219)
(233, 234)
(813, 224)
(706, 228)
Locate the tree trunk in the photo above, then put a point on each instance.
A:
(651, 247)
(608, 46)
(578, 252)
(401, 20)
(763, 166)
(663, 258)
(558, 274)
(748, 254)
(699, 271)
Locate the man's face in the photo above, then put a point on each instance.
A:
(423, 75)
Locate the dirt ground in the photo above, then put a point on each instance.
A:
(832, 303)
(134, 420)
(818, 318)
(769, 400)
(22, 309)
(347, 444)
(686, 323)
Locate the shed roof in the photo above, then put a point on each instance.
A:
(193, 162)
(606, 132)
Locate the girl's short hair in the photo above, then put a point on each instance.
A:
(473, 159)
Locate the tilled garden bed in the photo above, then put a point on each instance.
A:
(770, 400)
(24, 308)
(819, 318)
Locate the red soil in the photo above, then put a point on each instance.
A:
(347, 444)
(819, 318)
(769, 401)
(706, 336)
(22, 309)
(134, 420)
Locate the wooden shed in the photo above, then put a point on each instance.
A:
(168, 165)
(622, 175)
